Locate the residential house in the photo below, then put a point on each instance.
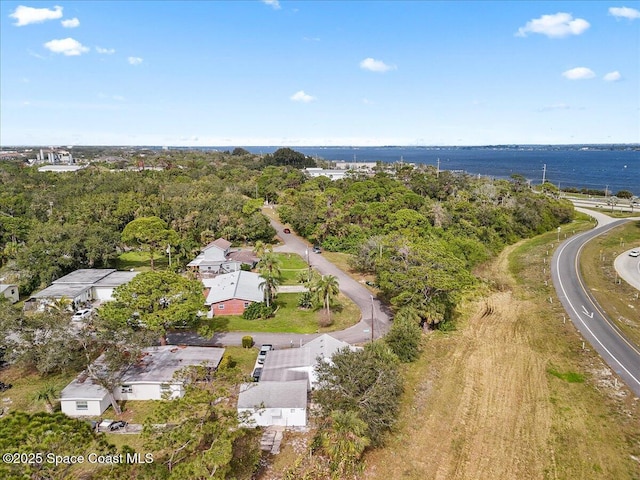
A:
(218, 258)
(294, 364)
(151, 379)
(81, 287)
(280, 396)
(232, 293)
(10, 292)
(273, 403)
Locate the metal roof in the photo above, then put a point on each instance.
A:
(241, 285)
(158, 365)
(87, 276)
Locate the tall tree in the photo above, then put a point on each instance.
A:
(326, 288)
(269, 268)
(367, 382)
(149, 233)
(344, 440)
(155, 301)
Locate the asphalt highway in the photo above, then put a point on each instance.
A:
(617, 351)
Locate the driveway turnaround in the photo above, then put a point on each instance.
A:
(588, 317)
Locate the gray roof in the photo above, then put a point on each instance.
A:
(158, 365)
(273, 395)
(115, 279)
(7, 286)
(86, 276)
(241, 285)
(59, 290)
(296, 363)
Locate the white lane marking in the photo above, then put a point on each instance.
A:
(560, 252)
(586, 312)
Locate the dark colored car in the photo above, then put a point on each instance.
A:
(256, 374)
(317, 249)
(117, 425)
(287, 230)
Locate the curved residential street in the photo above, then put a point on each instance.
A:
(373, 315)
(588, 317)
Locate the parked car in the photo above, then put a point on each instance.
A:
(287, 230)
(111, 425)
(263, 352)
(317, 249)
(256, 374)
(635, 252)
(81, 314)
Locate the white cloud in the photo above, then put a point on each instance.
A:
(579, 73)
(134, 60)
(624, 12)
(105, 51)
(366, 101)
(612, 76)
(28, 15)
(374, 65)
(66, 46)
(272, 3)
(71, 23)
(300, 96)
(554, 26)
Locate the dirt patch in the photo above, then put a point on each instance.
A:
(488, 417)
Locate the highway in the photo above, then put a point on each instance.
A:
(622, 356)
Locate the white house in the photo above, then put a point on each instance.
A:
(81, 286)
(273, 403)
(217, 258)
(152, 378)
(10, 292)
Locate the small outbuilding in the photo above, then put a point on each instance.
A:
(10, 292)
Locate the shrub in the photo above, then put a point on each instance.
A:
(247, 341)
(305, 300)
(257, 310)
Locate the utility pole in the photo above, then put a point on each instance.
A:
(438, 169)
(372, 317)
(544, 173)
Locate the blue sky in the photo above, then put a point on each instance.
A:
(244, 73)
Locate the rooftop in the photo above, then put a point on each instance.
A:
(87, 276)
(273, 394)
(241, 285)
(158, 365)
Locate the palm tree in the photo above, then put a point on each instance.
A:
(46, 394)
(269, 268)
(325, 289)
(344, 441)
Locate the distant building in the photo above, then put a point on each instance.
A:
(314, 172)
(55, 156)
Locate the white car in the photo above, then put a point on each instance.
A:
(634, 253)
(81, 314)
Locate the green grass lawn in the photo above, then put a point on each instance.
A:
(140, 261)
(291, 265)
(291, 319)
